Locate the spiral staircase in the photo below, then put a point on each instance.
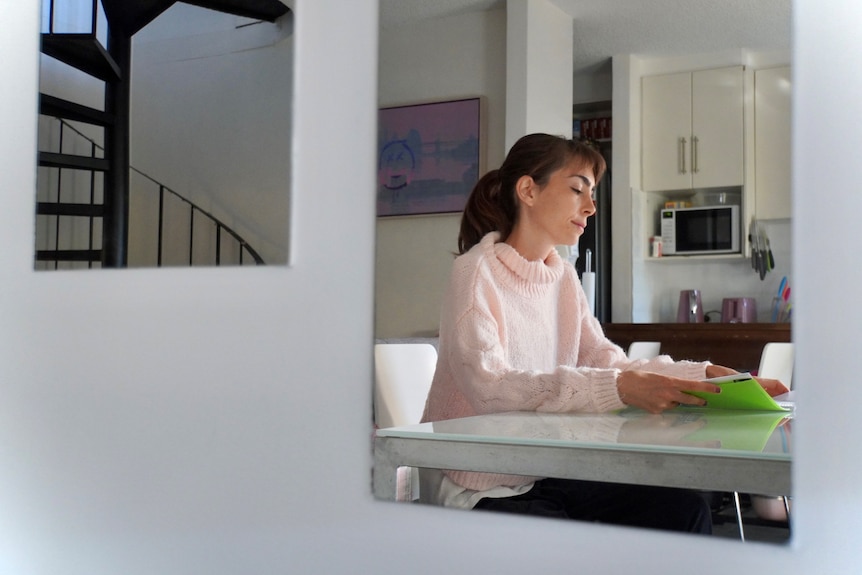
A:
(106, 168)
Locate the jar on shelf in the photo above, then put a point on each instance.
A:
(655, 246)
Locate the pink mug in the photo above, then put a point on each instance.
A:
(738, 310)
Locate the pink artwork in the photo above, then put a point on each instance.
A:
(428, 157)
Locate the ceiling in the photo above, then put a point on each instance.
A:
(603, 28)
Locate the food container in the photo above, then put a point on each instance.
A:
(655, 245)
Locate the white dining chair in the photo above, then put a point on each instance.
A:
(644, 349)
(403, 374)
(776, 362)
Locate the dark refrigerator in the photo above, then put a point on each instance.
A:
(597, 239)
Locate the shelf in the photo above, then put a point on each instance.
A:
(697, 258)
(592, 108)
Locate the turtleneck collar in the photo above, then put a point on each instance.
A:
(520, 273)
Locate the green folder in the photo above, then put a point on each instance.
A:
(735, 430)
(738, 391)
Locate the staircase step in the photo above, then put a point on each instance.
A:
(127, 17)
(84, 52)
(269, 10)
(60, 108)
(61, 209)
(68, 255)
(54, 160)
(130, 17)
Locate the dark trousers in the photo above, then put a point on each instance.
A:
(634, 505)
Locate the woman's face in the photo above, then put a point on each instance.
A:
(560, 208)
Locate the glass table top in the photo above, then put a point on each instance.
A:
(714, 432)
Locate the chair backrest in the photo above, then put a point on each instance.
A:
(776, 362)
(403, 374)
(644, 349)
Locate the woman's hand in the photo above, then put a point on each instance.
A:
(665, 429)
(655, 392)
(772, 386)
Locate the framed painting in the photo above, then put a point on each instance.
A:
(429, 157)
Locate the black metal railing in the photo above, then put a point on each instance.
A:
(67, 204)
(244, 249)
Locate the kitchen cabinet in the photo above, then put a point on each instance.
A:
(736, 345)
(692, 130)
(772, 143)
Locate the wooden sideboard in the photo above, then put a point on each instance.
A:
(735, 345)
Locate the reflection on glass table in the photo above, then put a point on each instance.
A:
(711, 449)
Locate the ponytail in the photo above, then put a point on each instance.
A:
(486, 211)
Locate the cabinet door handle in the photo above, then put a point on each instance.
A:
(694, 141)
(681, 155)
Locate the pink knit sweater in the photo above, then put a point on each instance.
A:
(517, 335)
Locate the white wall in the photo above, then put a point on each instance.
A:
(593, 85)
(182, 451)
(538, 69)
(435, 60)
(211, 119)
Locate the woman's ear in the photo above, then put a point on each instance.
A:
(526, 189)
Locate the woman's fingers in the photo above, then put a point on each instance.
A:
(689, 399)
(772, 386)
(703, 386)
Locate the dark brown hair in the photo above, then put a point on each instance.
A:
(493, 204)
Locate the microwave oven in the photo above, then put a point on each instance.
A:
(701, 230)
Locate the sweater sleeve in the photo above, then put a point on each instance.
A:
(597, 350)
(492, 385)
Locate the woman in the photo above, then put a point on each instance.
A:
(516, 334)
